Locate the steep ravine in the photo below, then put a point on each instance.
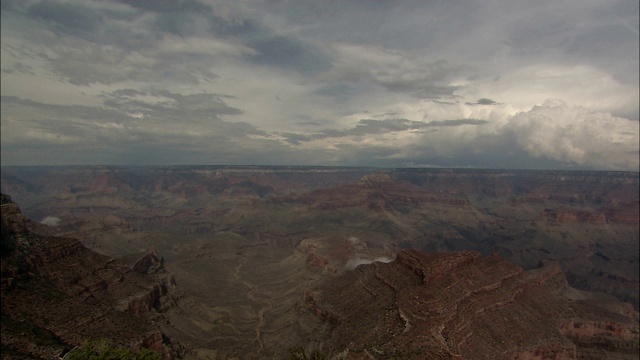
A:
(57, 294)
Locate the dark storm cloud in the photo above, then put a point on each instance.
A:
(341, 92)
(18, 67)
(121, 44)
(483, 101)
(498, 152)
(493, 150)
(198, 19)
(296, 139)
(168, 6)
(203, 81)
(192, 18)
(372, 126)
(377, 127)
(8, 5)
(395, 71)
(286, 52)
(457, 122)
(593, 44)
(122, 93)
(376, 155)
(69, 18)
(73, 111)
(106, 44)
(421, 90)
(428, 81)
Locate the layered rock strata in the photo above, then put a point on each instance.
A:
(465, 306)
(56, 294)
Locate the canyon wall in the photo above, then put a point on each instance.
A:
(466, 306)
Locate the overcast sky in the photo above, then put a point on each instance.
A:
(487, 84)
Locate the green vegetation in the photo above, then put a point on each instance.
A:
(300, 353)
(104, 349)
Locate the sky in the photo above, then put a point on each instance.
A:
(513, 84)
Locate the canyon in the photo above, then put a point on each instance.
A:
(462, 305)
(248, 262)
(56, 294)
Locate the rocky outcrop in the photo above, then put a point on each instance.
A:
(56, 293)
(317, 261)
(161, 344)
(150, 262)
(463, 305)
(12, 219)
(162, 296)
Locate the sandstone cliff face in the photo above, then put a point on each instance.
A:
(465, 306)
(12, 219)
(148, 262)
(56, 293)
(155, 298)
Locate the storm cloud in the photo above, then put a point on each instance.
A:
(506, 84)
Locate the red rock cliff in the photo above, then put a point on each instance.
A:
(463, 305)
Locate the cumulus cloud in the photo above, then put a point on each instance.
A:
(576, 135)
(533, 84)
(67, 17)
(287, 52)
(554, 134)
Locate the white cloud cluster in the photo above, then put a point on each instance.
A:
(575, 135)
(529, 85)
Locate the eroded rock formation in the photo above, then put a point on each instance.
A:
(466, 306)
(57, 294)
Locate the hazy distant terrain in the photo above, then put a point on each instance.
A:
(246, 243)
